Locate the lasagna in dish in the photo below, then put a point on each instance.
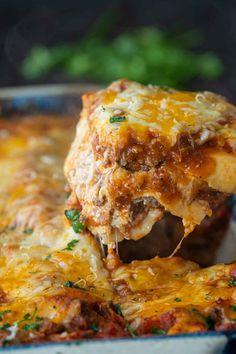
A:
(141, 151)
(54, 284)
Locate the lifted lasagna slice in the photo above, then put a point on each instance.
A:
(142, 150)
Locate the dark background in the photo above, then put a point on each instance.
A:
(24, 23)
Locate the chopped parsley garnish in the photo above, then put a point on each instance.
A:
(71, 245)
(94, 327)
(69, 284)
(74, 216)
(208, 320)
(131, 331)
(232, 282)
(195, 310)
(31, 326)
(28, 231)
(38, 318)
(3, 313)
(28, 316)
(157, 331)
(77, 226)
(207, 296)
(117, 119)
(49, 256)
(232, 307)
(118, 309)
(178, 299)
(5, 326)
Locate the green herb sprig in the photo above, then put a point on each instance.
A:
(207, 319)
(118, 309)
(232, 307)
(70, 245)
(31, 326)
(117, 119)
(94, 327)
(71, 284)
(74, 217)
(232, 282)
(28, 231)
(157, 331)
(28, 316)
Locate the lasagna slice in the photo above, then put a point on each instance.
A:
(140, 151)
(171, 295)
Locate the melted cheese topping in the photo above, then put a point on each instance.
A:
(35, 261)
(151, 289)
(167, 112)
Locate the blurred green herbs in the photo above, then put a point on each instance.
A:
(147, 55)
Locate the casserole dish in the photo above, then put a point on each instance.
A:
(66, 99)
